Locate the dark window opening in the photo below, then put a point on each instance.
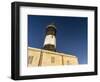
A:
(52, 59)
(68, 63)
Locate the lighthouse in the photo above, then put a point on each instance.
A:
(50, 38)
(39, 57)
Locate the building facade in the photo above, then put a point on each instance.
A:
(41, 57)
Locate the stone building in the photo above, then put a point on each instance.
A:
(40, 57)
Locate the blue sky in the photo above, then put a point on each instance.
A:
(71, 36)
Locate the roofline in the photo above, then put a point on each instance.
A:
(47, 51)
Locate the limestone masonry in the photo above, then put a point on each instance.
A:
(39, 57)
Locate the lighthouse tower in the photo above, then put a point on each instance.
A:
(50, 39)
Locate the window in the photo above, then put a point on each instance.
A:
(52, 59)
(68, 63)
(30, 59)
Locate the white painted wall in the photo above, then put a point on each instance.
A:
(5, 41)
(50, 39)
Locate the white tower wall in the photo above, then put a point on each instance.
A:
(50, 39)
